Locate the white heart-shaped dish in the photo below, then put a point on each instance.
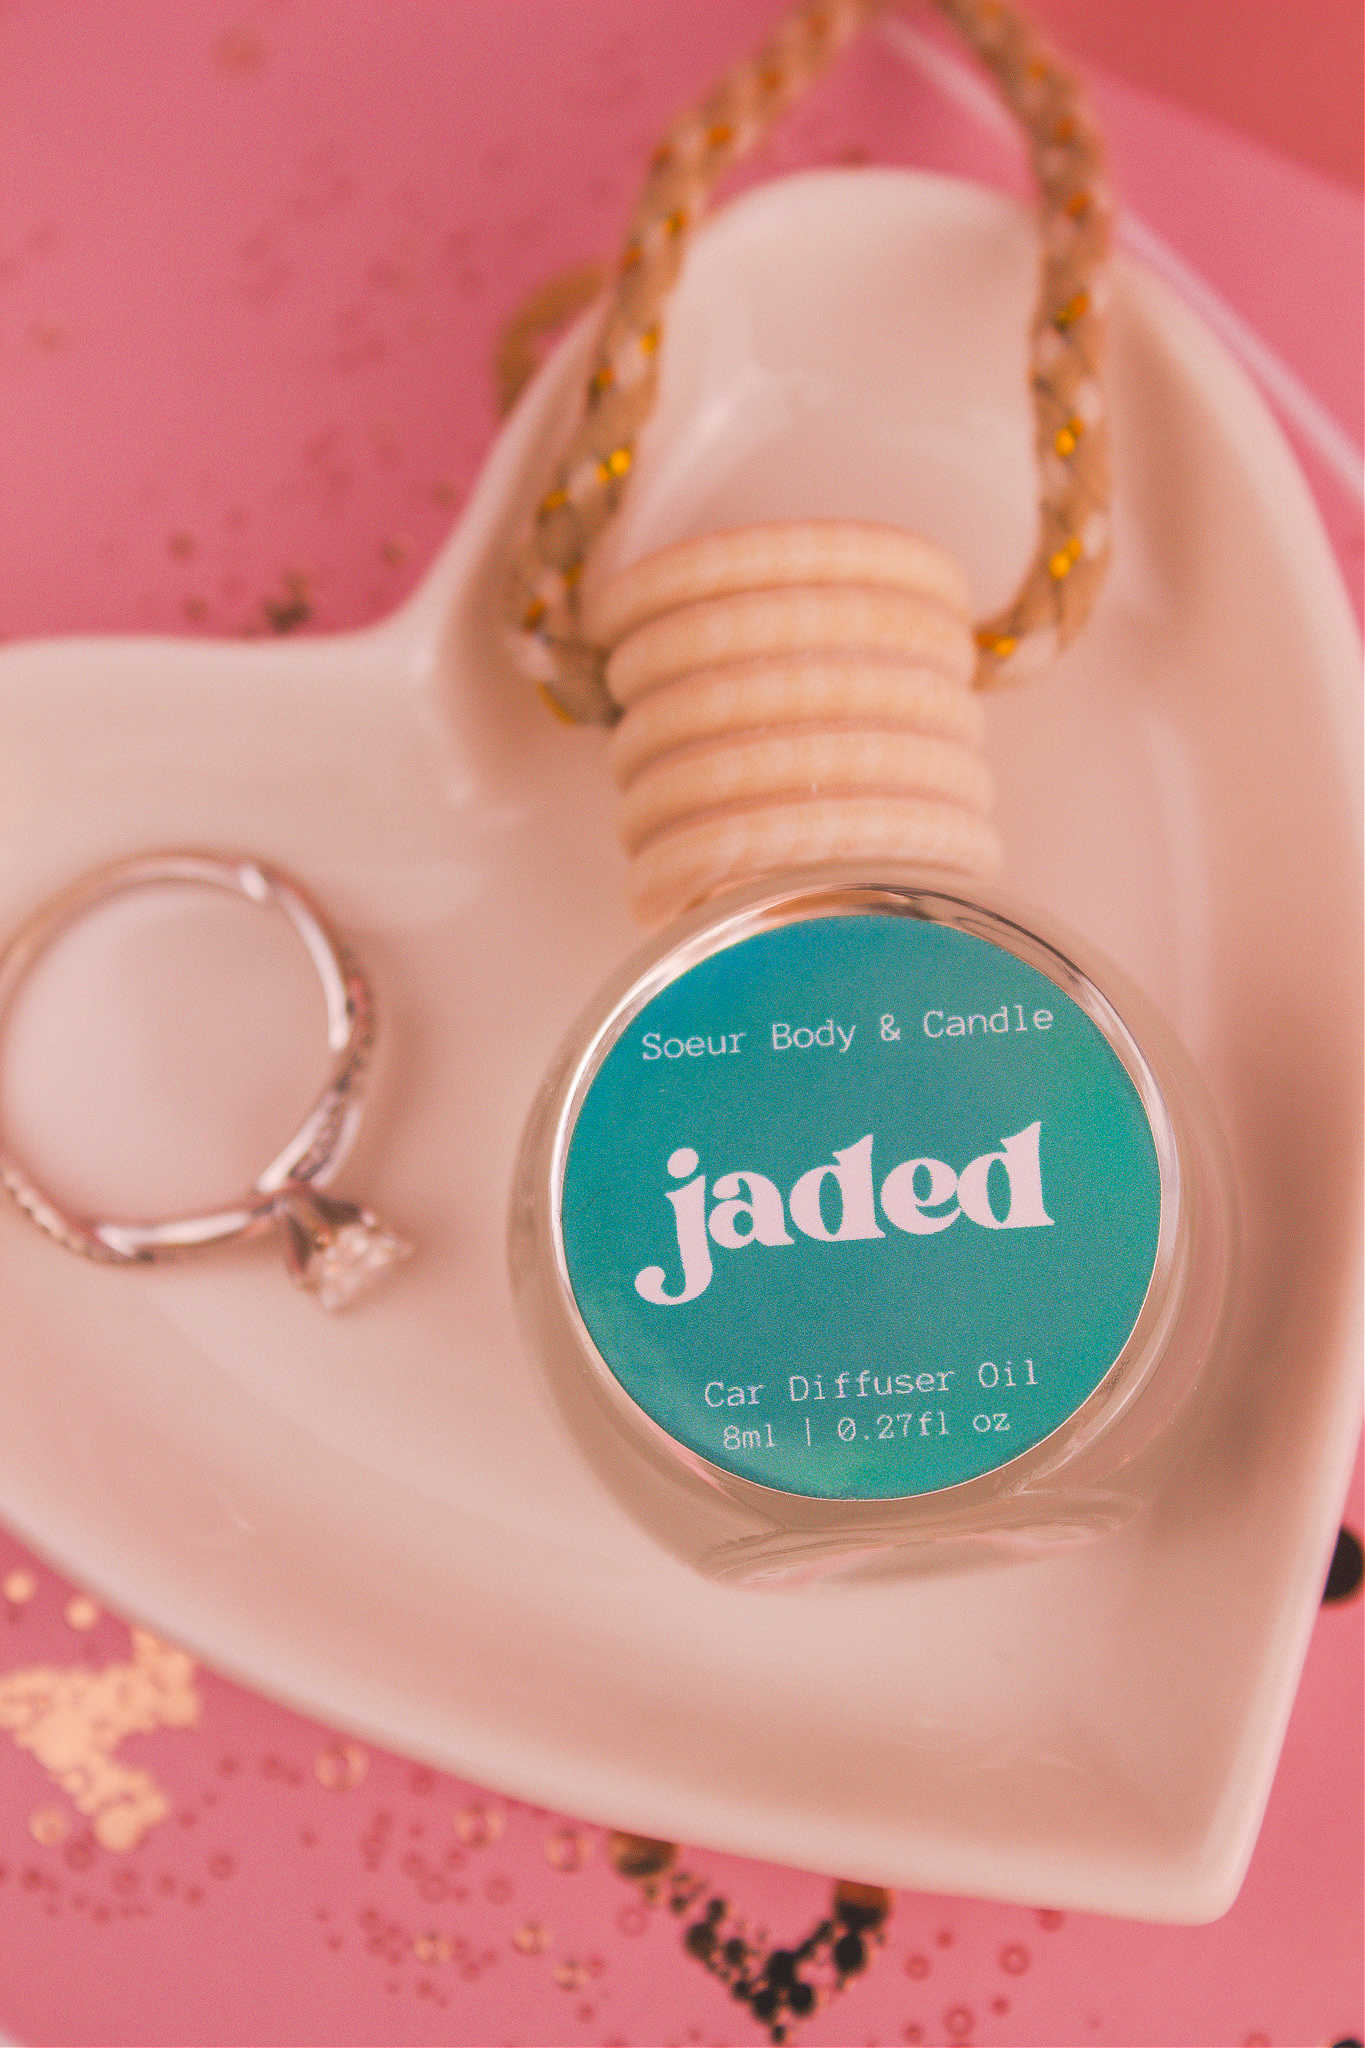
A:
(381, 1519)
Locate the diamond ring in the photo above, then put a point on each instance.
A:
(335, 1249)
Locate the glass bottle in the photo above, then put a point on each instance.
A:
(863, 1224)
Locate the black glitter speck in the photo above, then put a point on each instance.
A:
(849, 1954)
(1345, 1571)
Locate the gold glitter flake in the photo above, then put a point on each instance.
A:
(530, 1939)
(479, 1826)
(72, 1718)
(19, 1587)
(566, 1849)
(49, 1826)
(867, 1903)
(341, 1766)
(639, 1857)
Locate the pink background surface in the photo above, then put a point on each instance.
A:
(253, 261)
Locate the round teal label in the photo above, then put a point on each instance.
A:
(860, 1207)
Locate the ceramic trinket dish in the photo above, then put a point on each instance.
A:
(1097, 1728)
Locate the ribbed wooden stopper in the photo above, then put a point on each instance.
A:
(790, 694)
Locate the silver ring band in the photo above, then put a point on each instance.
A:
(333, 1248)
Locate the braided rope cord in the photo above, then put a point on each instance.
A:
(1065, 345)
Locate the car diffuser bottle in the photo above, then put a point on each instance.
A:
(863, 1223)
